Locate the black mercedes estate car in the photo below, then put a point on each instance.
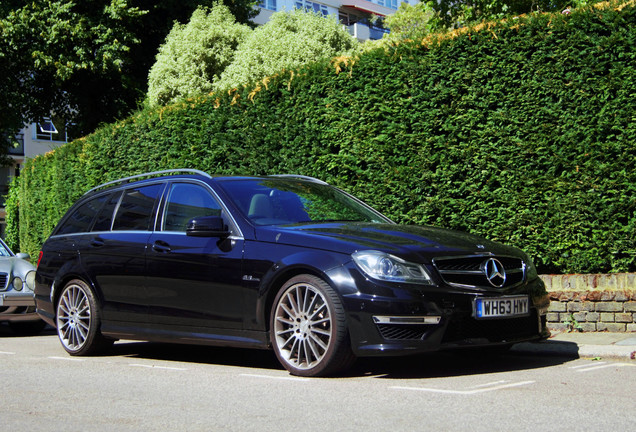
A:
(283, 262)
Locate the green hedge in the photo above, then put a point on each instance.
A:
(523, 131)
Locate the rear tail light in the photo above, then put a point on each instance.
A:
(39, 259)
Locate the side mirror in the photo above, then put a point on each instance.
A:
(207, 226)
(24, 256)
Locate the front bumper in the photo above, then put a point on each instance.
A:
(17, 307)
(430, 319)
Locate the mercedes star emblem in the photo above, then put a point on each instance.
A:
(495, 272)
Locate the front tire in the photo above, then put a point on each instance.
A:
(79, 320)
(308, 328)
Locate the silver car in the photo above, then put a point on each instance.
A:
(17, 279)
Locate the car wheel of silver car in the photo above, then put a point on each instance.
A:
(308, 328)
(78, 320)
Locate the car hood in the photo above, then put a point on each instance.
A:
(409, 242)
(15, 266)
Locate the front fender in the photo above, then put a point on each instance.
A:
(326, 265)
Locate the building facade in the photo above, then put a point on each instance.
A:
(354, 14)
(35, 139)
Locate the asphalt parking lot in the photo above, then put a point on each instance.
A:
(146, 386)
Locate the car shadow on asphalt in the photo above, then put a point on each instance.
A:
(432, 365)
(453, 364)
(226, 356)
(7, 332)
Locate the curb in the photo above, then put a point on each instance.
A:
(572, 349)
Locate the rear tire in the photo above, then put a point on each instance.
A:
(308, 328)
(78, 320)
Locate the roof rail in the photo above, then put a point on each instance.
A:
(154, 173)
(303, 177)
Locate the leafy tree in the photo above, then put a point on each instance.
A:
(410, 21)
(87, 61)
(287, 40)
(48, 49)
(195, 54)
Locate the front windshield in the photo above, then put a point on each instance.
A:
(293, 201)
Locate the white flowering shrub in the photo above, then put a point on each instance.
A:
(286, 41)
(194, 55)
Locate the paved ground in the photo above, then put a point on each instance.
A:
(141, 386)
(619, 346)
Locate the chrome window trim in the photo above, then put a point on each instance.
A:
(215, 196)
(158, 220)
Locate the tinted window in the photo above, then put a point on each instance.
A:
(4, 250)
(289, 201)
(105, 217)
(135, 210)
(185, 202)
(80, 220)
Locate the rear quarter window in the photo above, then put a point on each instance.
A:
(80, 220)
(104, 219)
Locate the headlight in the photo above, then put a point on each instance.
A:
(17, 284)
(383, 266)
(30, 280)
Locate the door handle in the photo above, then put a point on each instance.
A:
(161, 247)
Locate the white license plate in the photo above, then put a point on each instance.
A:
(496, 307)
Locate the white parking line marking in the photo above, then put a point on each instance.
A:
(465, 392)
(276, 377)
(7, 353)
(488, 384)
(586, 365)
(71, 359)
(604, 366)
(158, 367)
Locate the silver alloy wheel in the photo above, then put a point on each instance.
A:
(73, 317)
(302, 326)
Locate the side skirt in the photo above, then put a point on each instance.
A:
(187, 335)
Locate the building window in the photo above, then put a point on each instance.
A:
(268, 4)
(393, 4)
(312, 7)
(50, 130)
(16, 146)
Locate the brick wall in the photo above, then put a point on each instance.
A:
(601, 302)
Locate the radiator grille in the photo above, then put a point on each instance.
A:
(472, 271)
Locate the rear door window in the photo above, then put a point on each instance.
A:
(137, 208)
